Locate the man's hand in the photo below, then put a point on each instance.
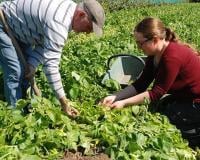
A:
(30, 72)
(72, 112)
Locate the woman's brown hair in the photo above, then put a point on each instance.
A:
(153, 27)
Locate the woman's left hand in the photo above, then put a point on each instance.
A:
(118, 105)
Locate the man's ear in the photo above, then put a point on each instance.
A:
(81, 14)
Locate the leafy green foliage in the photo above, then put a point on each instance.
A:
(46, 132)
(131, 133)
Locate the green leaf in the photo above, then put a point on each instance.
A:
(75, 75)
(141, 139)
(51, 115)
(30, 157)
(21, 104)
(74, 91)
(135, 110)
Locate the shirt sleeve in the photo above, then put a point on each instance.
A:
(169, 68)
(147, 76)
(49, 54)
(50, 59)
(55, 36)
(51, 70)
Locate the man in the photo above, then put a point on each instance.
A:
(41, 28)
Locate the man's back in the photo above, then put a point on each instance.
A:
(34, 20)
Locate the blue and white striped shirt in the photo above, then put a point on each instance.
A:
(44, 25)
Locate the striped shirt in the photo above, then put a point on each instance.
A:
(44, 25)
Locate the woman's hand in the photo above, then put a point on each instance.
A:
(108, 101)
(118, 105)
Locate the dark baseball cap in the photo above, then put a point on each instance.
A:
(96, 12)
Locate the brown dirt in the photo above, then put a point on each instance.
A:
(77, 156)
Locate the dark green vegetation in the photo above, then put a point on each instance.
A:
(132, 133)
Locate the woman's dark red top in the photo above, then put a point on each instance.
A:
(177, 73)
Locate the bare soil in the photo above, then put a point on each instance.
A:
(77, 156)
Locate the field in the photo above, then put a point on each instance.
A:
(133, 133)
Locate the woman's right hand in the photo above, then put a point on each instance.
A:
(108, 101)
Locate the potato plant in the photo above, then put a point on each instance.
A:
(133, 133)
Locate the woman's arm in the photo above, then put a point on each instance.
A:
(139, 86)
(125, 93)
(137, 99)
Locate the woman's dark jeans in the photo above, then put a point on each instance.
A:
(185, 115)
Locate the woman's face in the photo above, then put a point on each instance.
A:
(146, 45)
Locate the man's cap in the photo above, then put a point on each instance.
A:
(96, 11)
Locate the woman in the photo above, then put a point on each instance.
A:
(174, 68)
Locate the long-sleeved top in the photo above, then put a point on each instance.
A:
(177, 73)
(44, 25)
